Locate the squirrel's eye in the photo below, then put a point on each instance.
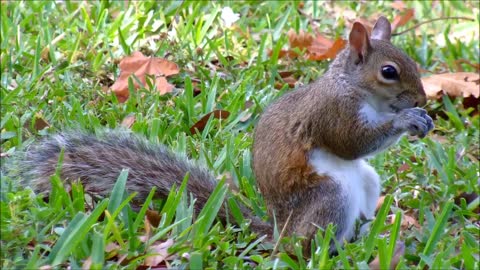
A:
(389, 72)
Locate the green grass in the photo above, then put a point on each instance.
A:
(57, 57)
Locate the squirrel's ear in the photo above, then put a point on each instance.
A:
(359, 42)
(382, 29)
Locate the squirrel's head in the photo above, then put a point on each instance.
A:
(384, 70)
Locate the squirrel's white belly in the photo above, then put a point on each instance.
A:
(358, 180)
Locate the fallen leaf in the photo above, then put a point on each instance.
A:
(398, 5)
(316, 47)
(39, 122)
(397, 254)
(200, 125)
(404, 167)
(407, 221)
(128, 121)
(325, 49)
(157, 253)
(402, 18)
(454, 84)
(111, 247)
(87, 263)
(153, 217)
(380, 201)
(141, 66)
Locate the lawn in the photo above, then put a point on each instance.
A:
(60, 58)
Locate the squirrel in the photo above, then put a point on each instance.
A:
(309, 145)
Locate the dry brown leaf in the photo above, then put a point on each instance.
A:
(454, 84)
(398, 5)
(153, 217)
(316, 47)
(128, 120)
(111, 247)
(141, 66)
(404, 167)
(397, 254)
(302, 40)
(200, 125)
(403, 18)
(87, 263)
(407, 221)
(39, 122)
(158, 253)
(325, 49)
(380, 201)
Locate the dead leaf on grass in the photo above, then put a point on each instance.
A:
(315, 47)
(153, 217)
(158, 252)
(39, 122)
(407, 221)
(398, 5)
(403, 18)
(454, 84)
(380, 201)
(200, 125)
(404, 167)
(128, 120)
(397, 254)
(142, 66)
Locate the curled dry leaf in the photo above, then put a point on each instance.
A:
(407, 221)
(454, 84)
(397, 254)
(404, 167)
(128, 121)
(200, 125)
(316, 47)
(142, 66)
(403, 18)
(380, 201)
(39, 122)
(153, 217)
(158, 252)
(87, 264)
(398, 5)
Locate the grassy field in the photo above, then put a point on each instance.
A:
(57, 59)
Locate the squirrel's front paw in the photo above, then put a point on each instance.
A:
(414, 120)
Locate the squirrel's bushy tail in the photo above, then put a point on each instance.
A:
(97, 160)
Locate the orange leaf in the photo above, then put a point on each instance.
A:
(317, 47)
(398, 5)
(330, 52)
(397, 254)
(141, 66)
(153, 217)
(301, 40)
(404, 167)
(403, 18)
(200, 125)
(158, 253)
(454, 84)
(128, 121)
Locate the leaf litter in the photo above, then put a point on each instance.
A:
(141, 67)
